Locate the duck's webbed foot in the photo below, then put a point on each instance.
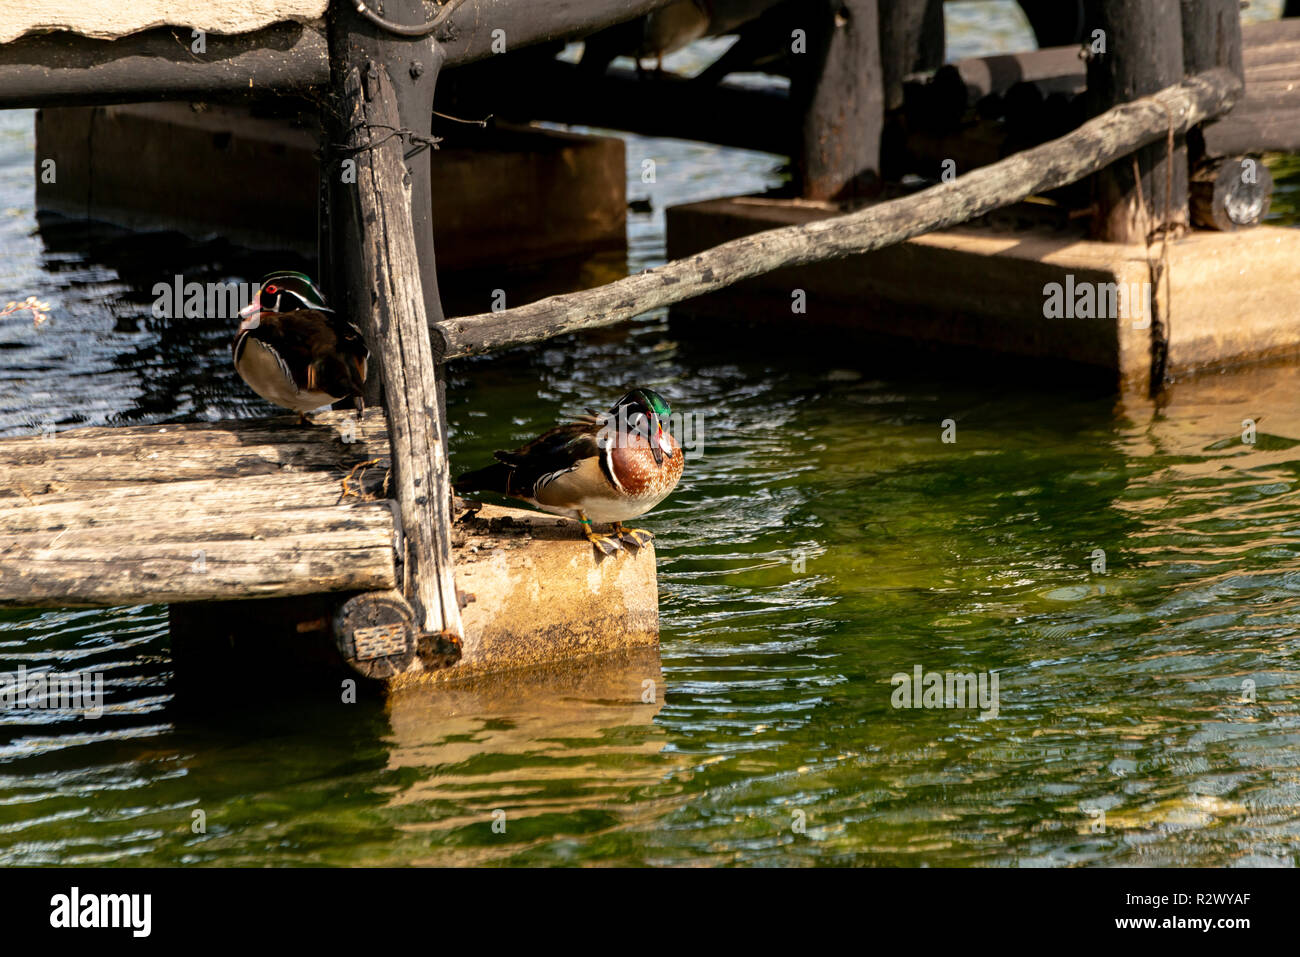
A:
(635, 537)
(603, 544)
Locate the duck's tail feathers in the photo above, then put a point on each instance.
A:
(493, 478)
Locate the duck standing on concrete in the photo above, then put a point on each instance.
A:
(599, 469)
(295, 351)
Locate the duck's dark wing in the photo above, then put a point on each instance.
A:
(551, 453)
(321, 351)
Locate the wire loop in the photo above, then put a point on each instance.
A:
(401, 29)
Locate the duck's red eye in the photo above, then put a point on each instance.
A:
(272, 290)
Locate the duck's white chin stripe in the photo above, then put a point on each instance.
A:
(609, 470)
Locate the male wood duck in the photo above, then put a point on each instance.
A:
(598, 469)
(295, 351)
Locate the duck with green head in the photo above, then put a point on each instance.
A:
(295, 351)
(599, 469)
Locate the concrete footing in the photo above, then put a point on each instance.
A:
(534, 597)
(513, 194)
(1039, 293)
(537, 594)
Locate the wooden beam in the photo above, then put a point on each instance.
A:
(622, 99)
(65, 69)
(383, 246)
(484, 28)
(1094, 145)
(962, 83)
(1266, 117)
(841, 95)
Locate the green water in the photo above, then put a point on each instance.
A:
(823, 539)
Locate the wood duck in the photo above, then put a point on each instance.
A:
(600, 469)
(295, 351)
(657, 34)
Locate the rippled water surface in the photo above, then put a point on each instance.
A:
(823, 539)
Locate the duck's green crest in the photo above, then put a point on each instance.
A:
(647, 399)
(290, 285)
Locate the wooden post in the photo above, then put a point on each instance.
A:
(1056, 23)
(1212, 35)
(383, 242)
(911, 40)
(1139, 195)
(1211, 38)
(1224, 193)
(842, 99)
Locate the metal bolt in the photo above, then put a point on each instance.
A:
(417, 69)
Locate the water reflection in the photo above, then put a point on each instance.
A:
(507, 764)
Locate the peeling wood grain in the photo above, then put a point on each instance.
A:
(157, 513)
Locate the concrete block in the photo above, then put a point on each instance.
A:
(540, 596)
(983, 288)
(519, 195)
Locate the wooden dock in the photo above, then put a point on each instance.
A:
(194, 512)
(216, 517)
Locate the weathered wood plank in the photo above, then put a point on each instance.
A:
(160, 466)
(60, 505)
(80, 526)
(1267, 116)
(195, 571)
(205, 521)
(1092, 146)
(283, 433)
(166, 455)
